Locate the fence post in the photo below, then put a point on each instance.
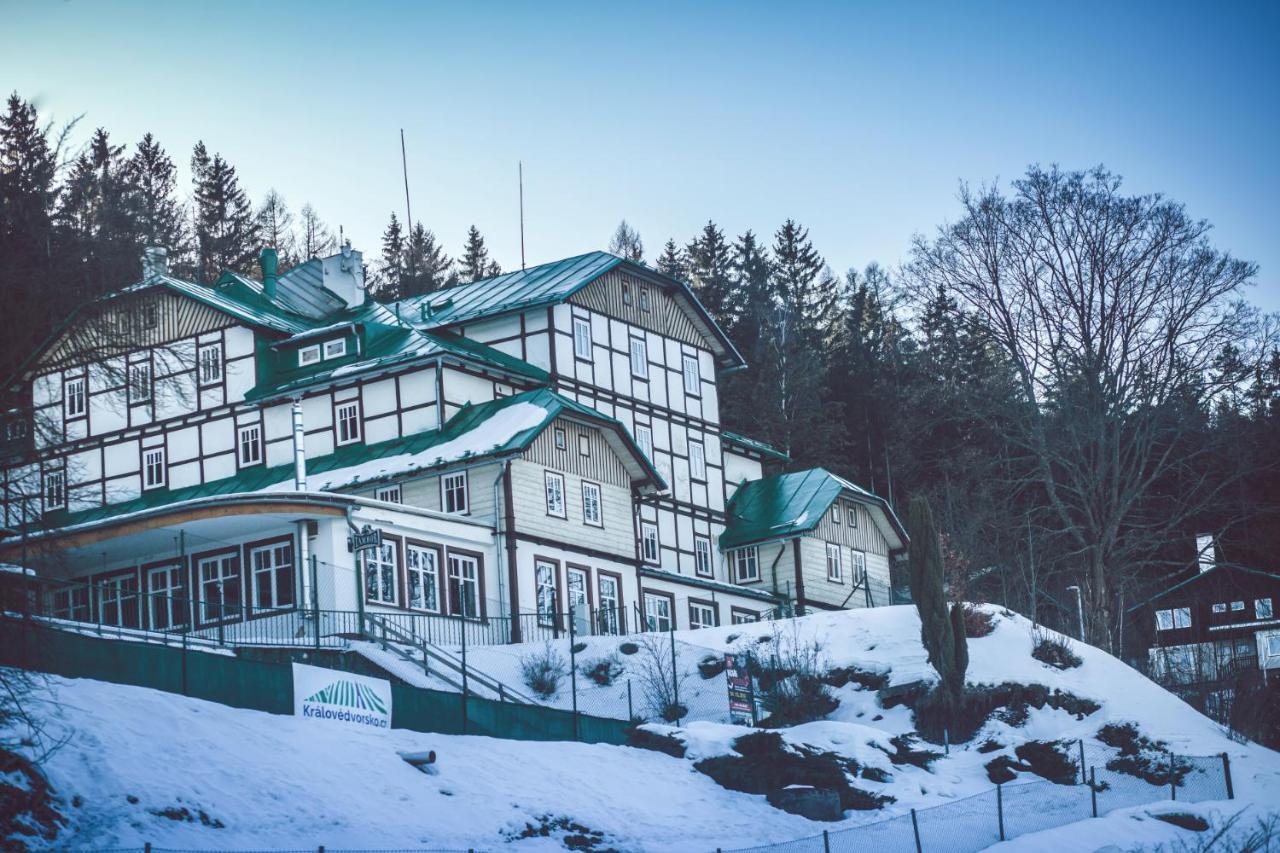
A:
(946, 741)
(631, 714)
(826, 842)
(915, 827)
(573, 668)
(184, 666)
(464, 678)
(1173, 782)
(1226, 776)
(1082, 777)
(1093, 789)
(315, 598)
(675, 679)
(1000, 809)
(146, 847)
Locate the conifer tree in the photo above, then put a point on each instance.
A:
(672, 262)
(391, 267)
(709, 270)
(751, 399)
(275, 229)
(475, 262)
(315, 240)
(426, 267)
(626, 243)
(225, 230)
(98, 214)
(161, 217)
(929, 592)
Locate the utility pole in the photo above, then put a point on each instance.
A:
(520, 166)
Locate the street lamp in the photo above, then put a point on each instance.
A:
(1079, 609)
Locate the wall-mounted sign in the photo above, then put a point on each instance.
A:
(332, 697)
(366, 539)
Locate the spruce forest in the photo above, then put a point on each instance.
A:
(1071, 375)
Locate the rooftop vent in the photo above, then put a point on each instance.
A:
(155, 261)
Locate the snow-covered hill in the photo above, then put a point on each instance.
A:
(140, 765)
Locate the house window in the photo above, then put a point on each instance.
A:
(73, 397)
(626, 293)
(555, 494)
(1262, 608)
(149, 315)
(609, 614)
(272, 581)
(55, 490)
(118, 601)
(380, 573)
(348, 423)
(453, 493)
(1168, 620)
(545, 595)
(562, 442)
(308, 355)
(851, 512)
(591, 504)
(424, 577)
(335, 349)
(657, 612)
(644, 439)
(746, 565)
(1237, 606)
(644, 299)
(70, 603)
(857, 565)
(219, 587)
(702, 556)
(692, 382)
(649, 541)
(582, 338)
(210, 364)
(1273, 646)
(701, 615)
(639, 359)
(249, 441)
(697, 461)
(139, 383)
(835, 570)
(390, 494)
(742, 617)
(166, 604)
(835, 512)
(584, 444)
(1220, 608)
(153, 468)
(464, 586)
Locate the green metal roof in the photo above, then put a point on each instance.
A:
(1220, 569)
(754, 444)
(785, 505)
(353, 464)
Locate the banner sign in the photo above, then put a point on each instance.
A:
(742, 695)
(366, 539)
(330, 697)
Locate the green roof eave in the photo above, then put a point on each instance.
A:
(754, 444)
(717, 586)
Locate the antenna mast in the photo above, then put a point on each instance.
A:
(408, 212)
(521, 166)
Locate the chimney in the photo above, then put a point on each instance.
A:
(1204, 552)
(269, 262)
(155, 261)
(299, 448)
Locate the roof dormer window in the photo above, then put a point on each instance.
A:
(335, 349)
(308, 355)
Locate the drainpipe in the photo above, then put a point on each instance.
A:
(498, 535)
(304, 567)
(299, 448)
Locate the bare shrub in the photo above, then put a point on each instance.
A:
(543, 670)
(1053, 649)
(977, 622)
(791, 684)
(661, 680)
(602, 670)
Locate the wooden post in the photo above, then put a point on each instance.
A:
(631, 714)
(573, 668)
(826, 842)
(1000, 809)
(1093, 789)
(1226, 776)
(1082, 777)
(1173, 782)
(915, 827)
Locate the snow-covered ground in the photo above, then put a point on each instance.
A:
(272, 783)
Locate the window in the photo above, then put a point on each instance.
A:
(582, 338)
(692, 382)
(453, 492)
(166, 603)
(118, 601)
(545, 591)
(555, 494)
(308, 355)
(390, 494)
(857, 565)
(742, 617)
(335, 349)
(1178, 617)
(644, 299)
(272, 581)
(577, 601)
(1237, 605)
(644, 439)
(380, 573)
(835, 512)
(584, 444)
(219, 587)
(1273, 645)
(746, 565)
(639, 359)
(649, 541)
(139, 383)
(851, 512)
(697, 461)
(835, 569)
(609, 614)
(249, 441)
(657, 612)
(626, 293)
(1262, 608)
(210, 364)
(1220, 608)
(424, 577)
(348, 422)
(55, 490)
(562, 443)
(591, 504)
(702, 556)
(70, 603)
(701, 615)
(73, 397)
(464, 586)
(153, 468)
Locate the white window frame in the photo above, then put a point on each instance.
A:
(650, 544)
(638, 347)
(1173, 619)
(336, 348)
(279, 561)
(139, 388)
(54, 490)
(1237, 606)
(1273, 645)
(553, 488)
(392, 494)
(608, 607)
(653, 616)
(422, 566)
(592, 504)
(165, 598)
(464, 571)
(746, 564)
(226, 574)
(703, 564)
(1261, 604)
(546, 591)
(377, 562)
(153, 468)
(692, 375)
(249, 438)
(455, 497)
(582, 338)
(835, 513)
(1220, 608)
(644, 440)
(644, 298)
(561, 439)
(346, 422)
(584, 444)
(835, 563)
(706, 617)
(209, 368)
(75, 397)
(851, 513)
(858, 565)
(309, 355)
(739, 617)
(697, 460)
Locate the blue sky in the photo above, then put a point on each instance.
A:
(858, 120)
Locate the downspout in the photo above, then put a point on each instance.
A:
(299, 448)
(498, 532)
(799, 577)
(513, 570)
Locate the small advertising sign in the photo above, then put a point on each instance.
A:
(331, 697)
(742, 696)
